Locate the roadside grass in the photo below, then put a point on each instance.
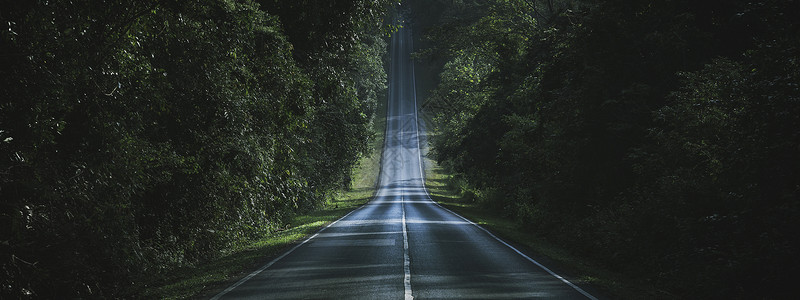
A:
(209, 278)
(444, 190)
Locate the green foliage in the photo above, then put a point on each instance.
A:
(343, 55)
(659, 138)
(146, 135)
(728, 170)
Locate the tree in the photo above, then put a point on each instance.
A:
(668, 126)
(136, 137)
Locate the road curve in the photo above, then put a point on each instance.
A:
(402, 245)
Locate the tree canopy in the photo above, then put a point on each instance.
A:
(142, 135)
(658, 137)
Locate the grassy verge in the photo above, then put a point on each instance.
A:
(443, 190)
(207, 279)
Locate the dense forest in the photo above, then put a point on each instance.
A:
(660, 138)
(137, 136)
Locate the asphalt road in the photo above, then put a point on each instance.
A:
(402, 244)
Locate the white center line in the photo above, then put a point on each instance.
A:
(406, 260)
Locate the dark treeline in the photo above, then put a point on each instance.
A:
(661, 138)
(137, 136)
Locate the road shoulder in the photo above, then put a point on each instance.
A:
(590, 276)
